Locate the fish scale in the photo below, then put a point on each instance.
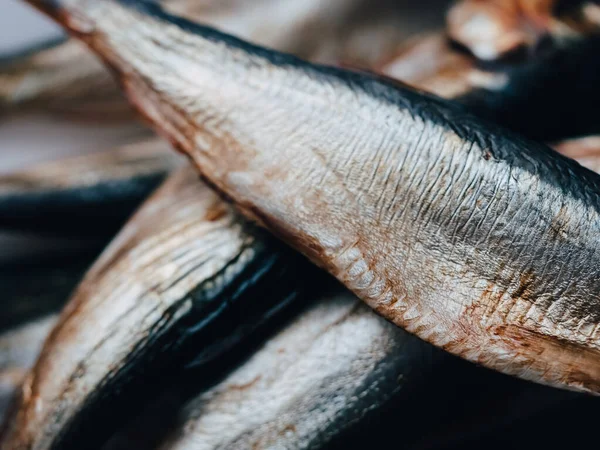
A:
(366, 100)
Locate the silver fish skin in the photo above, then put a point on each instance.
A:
(90, 196)
(473, 238)
(67, 78)
(316, 363)
(19, 348)
(323, 374)
(184, 282)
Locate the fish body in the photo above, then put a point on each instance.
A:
(550, 96)
(63, 76)
(329, 370)
(183, 283)
(90, 195)
(33, 292)
(494, 30)
(476, 239)
(19, 348)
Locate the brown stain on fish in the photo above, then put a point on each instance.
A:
(409, 201)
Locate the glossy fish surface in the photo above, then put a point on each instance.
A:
(323, 374)
(475, 239)
(90, 195)
(318, 360)
(183, 283)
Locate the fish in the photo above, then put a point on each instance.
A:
(476, 239)
(180, 288)
(331, 369)
(59, 76)
(19, 348)
(63, 76)
(498, 29)
(561, 415)
(586, 150)
(36, 286)
(549, 97)
(86, 196)
(312, 329)
(33, 292)
(308, 349)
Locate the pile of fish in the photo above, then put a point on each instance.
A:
(383, 231)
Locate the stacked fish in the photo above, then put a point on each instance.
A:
(379, 247)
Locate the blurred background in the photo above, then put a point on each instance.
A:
(30, 138)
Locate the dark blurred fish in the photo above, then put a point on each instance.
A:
(59, 76)
(33, 292)
(552, 95)
(90, 195)
(65, 76)
(183, 283)
(500, 29)
(34, 288)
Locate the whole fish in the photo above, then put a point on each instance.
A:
(65, 76)
(184, 282)
(88, 195)
(476, 239)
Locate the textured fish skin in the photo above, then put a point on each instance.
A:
(326, 372)
(262, 404)
(66, 77)
(184, 282)
(550, 96)
(19, 348)
(475, 239)
(90, 195)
